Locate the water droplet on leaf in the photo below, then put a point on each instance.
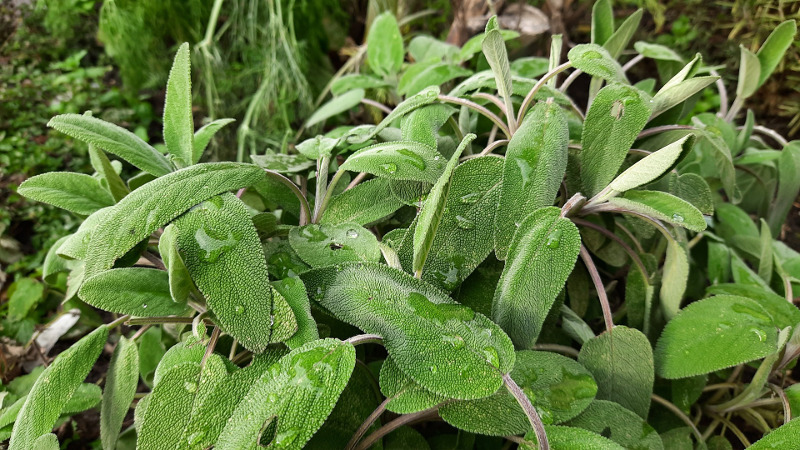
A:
(554, 239)
(389, 168)
(352, 233)
(239, 309)
(471, 198)
(491, 356)
(677, 218)
(464, 223)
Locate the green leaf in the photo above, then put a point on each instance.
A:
(784, 313)
(558, 387)
(639, 299)
(113, 139)
(749, 72)
(364, 203)
(296, 394)
(788, 186)
(325, 245)
(54, 263)
(443, 346)
(542, 255)
(784, 436)
(77, 244)
(356, 81)
(651, 167)
(405, 396)
(180, 281)
(618, 41)
(26, 294)
(385, 45)
(398, 160)
(474, 45)
(530, 66)
(418, 100)
(103, 167)
(765, 259)
(158, 202)
(136, 291)
(713, 334)
(662, 206)
(53, 389)
(178, 121)
(294, 292)
(657, 52)
(534, 167)
(431, 214)
(281, 163)
(75, 192)
(602, 21)
(674, 279)
(120, 387)
(597, 62)
(619, 424)
(223, 254)
(613, 121)
(203, 136)
(336, 106)
(317, 147)
(713, 146)
(494, 49)
(771, 52)
(422, 75)
(464, 236)
(621, 362)
(673, 94)
(561, 437)
(694, 189)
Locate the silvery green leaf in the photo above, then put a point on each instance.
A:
(694, 189)
(474, 45)
(541, 257)
(619, 40)
(203, 136)
(445, 347)
(529, 67)
(788, 186)
(494, 49)
(657, 51)
(178, 121)
(534, 167)
(282, 163)
(405, 396)
(113, 139)
(597, 62)
(325, 245)
(118, 391)
(356, 81)
(772, 50)
(317, 147)
(336, 106)
(419, 76)
(180, 282)
(602, 21)
(784, 436)
(619, 424)
(75, 192)
(398, 160)
(672, 94)
(423, 97)
(107, 170)
(138, 291)
(385, 45)
(749, 72)
(363, 204)
(713, 334)
(674, 278)
(423, 48)
(662, 206)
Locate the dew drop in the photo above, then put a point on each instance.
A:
(272, 398)
(760, 333)
(190, 387)
(351, 233)
(195, 438)
(677, 218)
(491, 356)
(412, 158)
(464, 223)
(144, 305)
(471, 198)
(389, 168)
(554, 239)
(525, 171)
(284, 439)
(456, 341)
(239, 310)
(434, 369)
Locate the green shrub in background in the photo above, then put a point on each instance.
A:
(533, 270)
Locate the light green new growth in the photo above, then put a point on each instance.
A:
(178, 122)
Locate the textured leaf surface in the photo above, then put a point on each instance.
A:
(178, 121)
(294, 291)
(749, 71)
(224, 257)
(662, 206)
(180, 282)
(385, 45)
(137, 291)
(771, 52)
(325, 245)
(203, 136)
(784, 436)
(674, 278)
(621, 37)
(784, 313)
(418, 100)
(363, 204)
(672, 95)
(464, 236)
(534, 167)
(398, 160)
(788, 185)
(694, 189)
(113, 139)
(656, 51)
(597, 62)
(298, 393)
(153, 205)
(619, 424)
(613, 121)
(570, 438)
(431, 214)
(443, 346)
(405, 396)
(622, 363)
(75, 192)
(652, 166)
(602, 21)
(541, 258)
(494, 49)
(713, 334)
(118, 392)
(558, 387)
(54, 387)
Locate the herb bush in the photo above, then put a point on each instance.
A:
(611, 281)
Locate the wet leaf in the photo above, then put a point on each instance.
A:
(325, 245)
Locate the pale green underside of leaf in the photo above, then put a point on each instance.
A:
(398, 160)
(158, 202)
(223, 254)
(365, 203)
(534, 167)
(137, 291)
(542, 255)
(653, 165)
(613, 121)
(622, 363)
(494, 49)
(78, 193)
(298, 392)
(621, 37)
(118, 391)
(336, 106)
(178, 122)
(669, 96)
(749, 72)
(713, 334)
(53, 389)
(662, 206)
(113, 139)
(674, 279)
(443, 346)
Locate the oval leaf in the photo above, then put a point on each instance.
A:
(136, 291)
(178, 121)
(325, 245)
(75, 192)
(385, 45)
(662, 206)
(398, 160)
(652, 166)
(597, 62)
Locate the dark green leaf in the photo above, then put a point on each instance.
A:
(363, 204)
(619, 424)
(602, 21)
(294, 292)
(788, 186)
